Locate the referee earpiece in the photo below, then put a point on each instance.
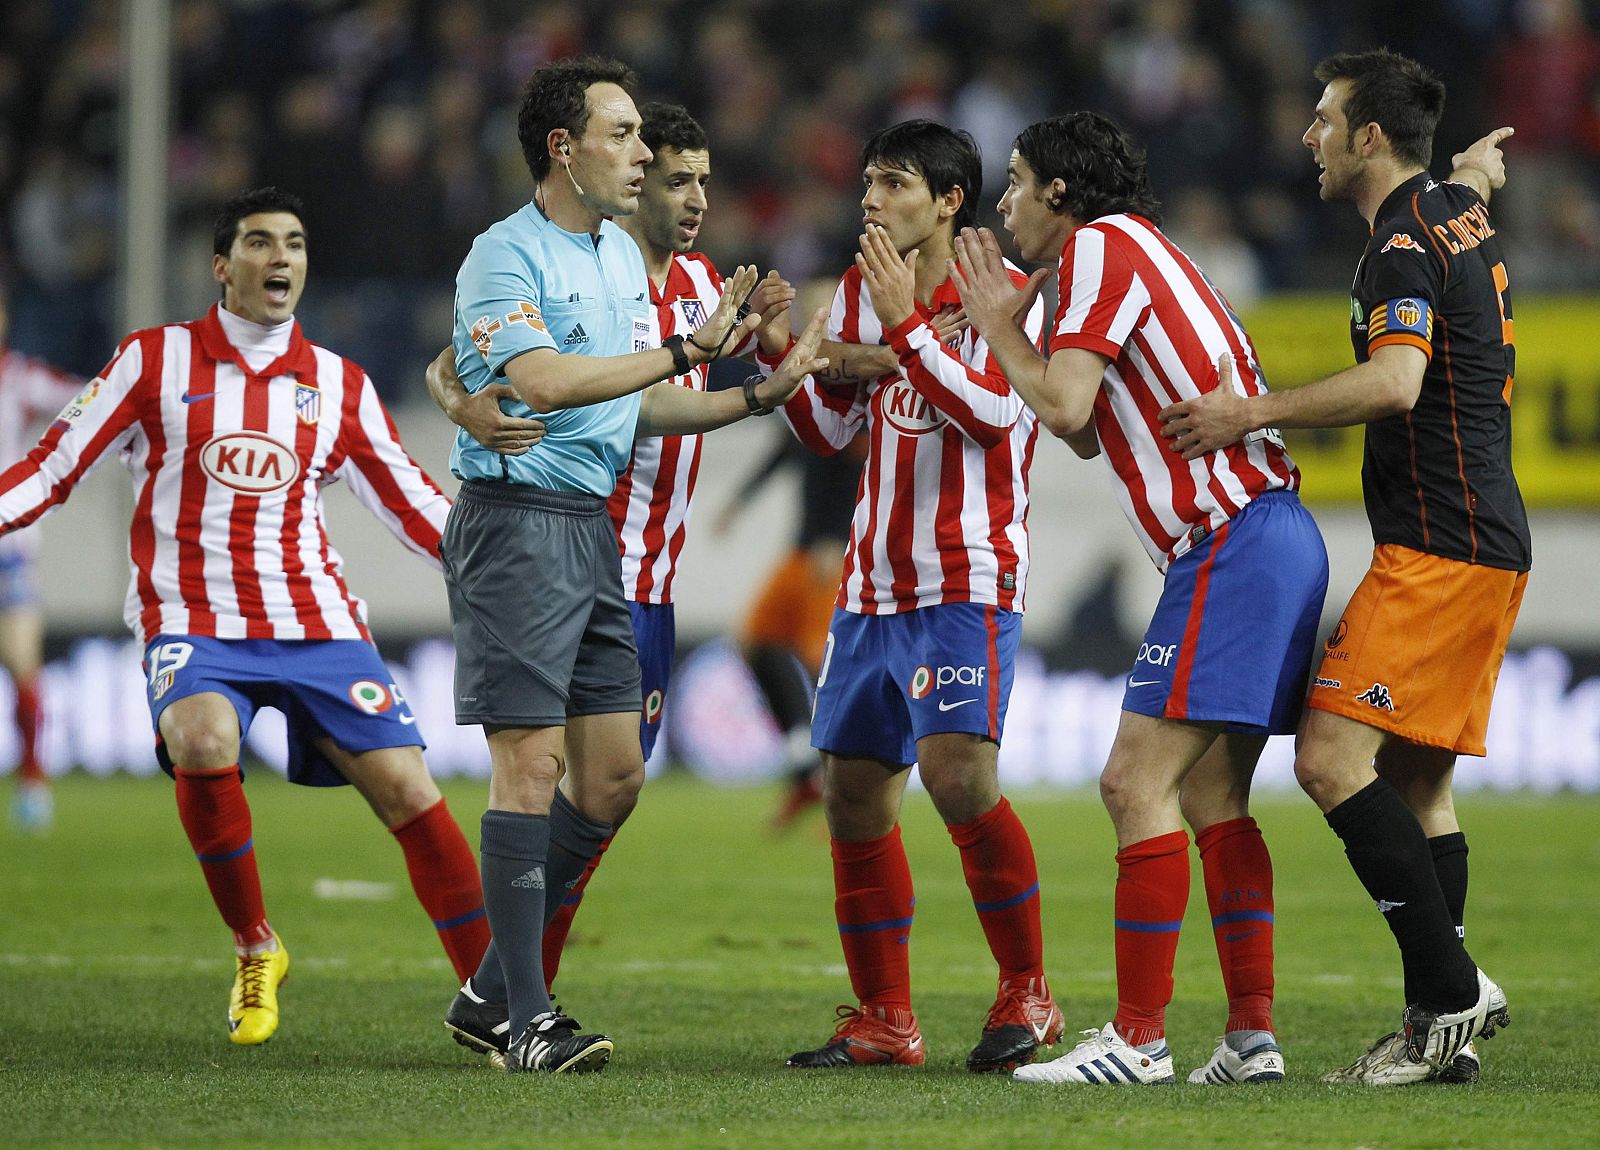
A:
(566, 148)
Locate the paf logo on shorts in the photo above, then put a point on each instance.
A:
(373, 698)
(907, 410)
(250, 462)
(921, 682)
(653, 702)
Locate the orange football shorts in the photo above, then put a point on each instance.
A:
(1419, 648)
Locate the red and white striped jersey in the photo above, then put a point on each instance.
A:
(30, 392)
(228, 538)
(650, 505)
(941, 511)
(1127, 292)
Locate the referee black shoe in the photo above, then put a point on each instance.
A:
(551, 1043)
(477, 1023)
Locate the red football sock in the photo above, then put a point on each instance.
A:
(997, 858)
(216, 817)
(444, 874)
(555, 931)
(873, 901)
(30, 718)
(1152, 892)
(1238, 874)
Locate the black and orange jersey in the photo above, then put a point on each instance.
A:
(1438, 478)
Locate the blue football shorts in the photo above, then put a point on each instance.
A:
(1232, 638)
(888, 680)
(655, 633)
(339, 688)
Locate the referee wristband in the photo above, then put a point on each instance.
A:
(680, 358)
(750, 399)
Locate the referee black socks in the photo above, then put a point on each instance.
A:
(1391, 856)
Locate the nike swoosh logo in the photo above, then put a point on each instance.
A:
(407, 719)
(1237, 937)
(198, 398)
(1143, 682)
(944, 706)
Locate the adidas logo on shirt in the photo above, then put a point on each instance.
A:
(576, 336)
(533, 880)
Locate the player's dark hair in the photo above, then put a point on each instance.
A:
(251, 203)
(1401, 96)
(945, 157)
(670, 126)
(1102, 167)
(556, 96)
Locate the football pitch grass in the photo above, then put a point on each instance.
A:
(706, 950)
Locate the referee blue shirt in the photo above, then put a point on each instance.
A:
(527, 284)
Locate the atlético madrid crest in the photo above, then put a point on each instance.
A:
(307, 403)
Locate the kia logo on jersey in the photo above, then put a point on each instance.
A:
(907, 410)
(250, 462)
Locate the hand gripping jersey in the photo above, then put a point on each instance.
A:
(228, 538)
(941, 510)
(650, 506)
(1438, 478)
(30, 391)
(1127, 292)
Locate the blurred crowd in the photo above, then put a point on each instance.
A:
(395, 120)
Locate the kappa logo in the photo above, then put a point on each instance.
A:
(532, 880)
(1377, 696)
(1405, 243)
(575, 337)
(1331, 684)
(1385, 906)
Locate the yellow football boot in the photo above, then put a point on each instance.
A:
(253, 1005)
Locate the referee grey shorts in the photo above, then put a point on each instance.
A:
(541, 629)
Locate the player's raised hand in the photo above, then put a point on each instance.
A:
(771, 300)
(890, 280)
(726, 326)
(479, 414)
(1484, 156)
(988, 295)
(801, 361)
(1211, 421)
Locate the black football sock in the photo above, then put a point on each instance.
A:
(1450, 865)
(574, 840)
(783, 685)
(1390, 855)
(514, 849)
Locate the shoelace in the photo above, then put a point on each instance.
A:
(847, 1017)
(1010, 1008)
(253, 979)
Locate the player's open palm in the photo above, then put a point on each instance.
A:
(989, 296)
(801, 361)
(724, 328)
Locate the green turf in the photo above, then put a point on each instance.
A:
(707, 952)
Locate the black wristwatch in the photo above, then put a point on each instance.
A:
(750, 399)
(680, 358)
